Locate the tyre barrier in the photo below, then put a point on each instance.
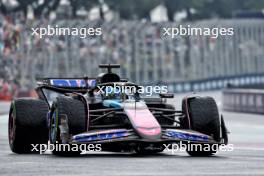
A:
(244, 100)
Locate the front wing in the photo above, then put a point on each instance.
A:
(128, 135)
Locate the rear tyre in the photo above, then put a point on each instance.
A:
(27, 125)
(202, 116)
(74, 111)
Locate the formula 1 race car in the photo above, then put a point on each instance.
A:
(90, 111)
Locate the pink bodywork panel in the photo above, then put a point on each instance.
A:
(144, 121)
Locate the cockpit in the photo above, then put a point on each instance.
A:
(116, 91)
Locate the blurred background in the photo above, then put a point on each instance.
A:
(131, 36)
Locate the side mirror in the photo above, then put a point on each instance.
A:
(166, 95)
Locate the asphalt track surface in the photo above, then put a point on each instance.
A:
(247, 158)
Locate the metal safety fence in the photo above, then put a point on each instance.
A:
(184, 62)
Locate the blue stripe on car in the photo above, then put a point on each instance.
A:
(98, 137)
(187, 136)
(112, 103)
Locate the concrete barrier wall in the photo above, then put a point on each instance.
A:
(216, 83)
(244, 100)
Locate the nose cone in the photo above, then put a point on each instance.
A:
(149, 131)
(144, 123)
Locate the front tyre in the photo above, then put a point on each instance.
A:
(201, 114)
(27, 125)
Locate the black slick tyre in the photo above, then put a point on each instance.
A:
(27, 125)
(201, 114)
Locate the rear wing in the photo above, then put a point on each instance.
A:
(70, 83)
(64, 85)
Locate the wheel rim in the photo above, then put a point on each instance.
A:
(53, 128)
